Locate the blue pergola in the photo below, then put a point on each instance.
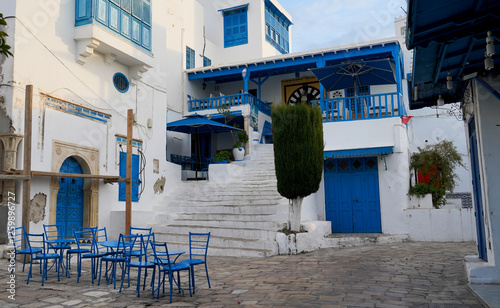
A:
(259, 71)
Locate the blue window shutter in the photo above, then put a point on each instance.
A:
(123, 174)
(235, 28)
(135, 177)
(83, 12)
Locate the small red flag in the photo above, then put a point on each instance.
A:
(406, 119)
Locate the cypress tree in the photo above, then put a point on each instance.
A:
(298, 154)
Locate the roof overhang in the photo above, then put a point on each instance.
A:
(297, 62)
(449, 41)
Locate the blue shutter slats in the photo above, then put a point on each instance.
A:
(135, 177)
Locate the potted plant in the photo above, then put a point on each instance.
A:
(239, 145)
(223, 157)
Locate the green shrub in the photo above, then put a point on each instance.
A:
(438, 162)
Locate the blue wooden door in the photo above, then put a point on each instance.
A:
(70, 199)
(476, 188)
(352, 195)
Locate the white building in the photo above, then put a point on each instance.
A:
(91, 61)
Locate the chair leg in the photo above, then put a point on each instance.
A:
(206, 271)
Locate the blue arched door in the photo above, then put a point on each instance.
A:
(70, 199)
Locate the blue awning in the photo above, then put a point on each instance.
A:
(358, 152)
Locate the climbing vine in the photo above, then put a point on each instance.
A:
(434, 170)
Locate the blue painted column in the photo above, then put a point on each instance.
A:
(321, 63)
(246, 77)
(399, 82)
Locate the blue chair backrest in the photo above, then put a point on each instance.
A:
(36, 241)
(160, 252)
(54, 231)
(19, 238)
(129, 243)
(147, 233)
(198, 244)
(86, 240)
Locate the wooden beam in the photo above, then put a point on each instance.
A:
(128, 193)
(106, 178)
(27, 157)
(13, 177)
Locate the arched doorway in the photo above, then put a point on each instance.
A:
(70, 199)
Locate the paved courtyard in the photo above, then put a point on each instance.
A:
(411, 274)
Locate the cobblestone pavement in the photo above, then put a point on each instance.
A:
(410, 274)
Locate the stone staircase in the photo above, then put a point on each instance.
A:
(242, 214)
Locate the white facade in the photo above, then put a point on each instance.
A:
(72, 67)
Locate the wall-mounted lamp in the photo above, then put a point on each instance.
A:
(204, 86)
(244, 72)
(440, 101)
(490, 45)
(449, 82)
(489, 64)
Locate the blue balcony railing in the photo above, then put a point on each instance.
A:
(229, 100)
(362, 107)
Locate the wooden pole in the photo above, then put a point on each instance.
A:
(27, 157)
(128, 191)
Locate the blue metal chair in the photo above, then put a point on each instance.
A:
(198, 248)
(37, 241)
(88, 248)
(167, 267)
(116, 258)
(142, 262)
(20, 245)
(83, 247)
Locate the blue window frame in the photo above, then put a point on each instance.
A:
(276, 29)
(135, 177)
(206, 61)
(120, 82)
(130, 19)
(235, 26)
(190, 58)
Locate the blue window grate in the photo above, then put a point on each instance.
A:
(190, 58)
(276, 28)
(206, 61)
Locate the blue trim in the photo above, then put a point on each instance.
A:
(358, 152)
(76, 110)
(233, 8)
(216, 116)
(126, 80)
